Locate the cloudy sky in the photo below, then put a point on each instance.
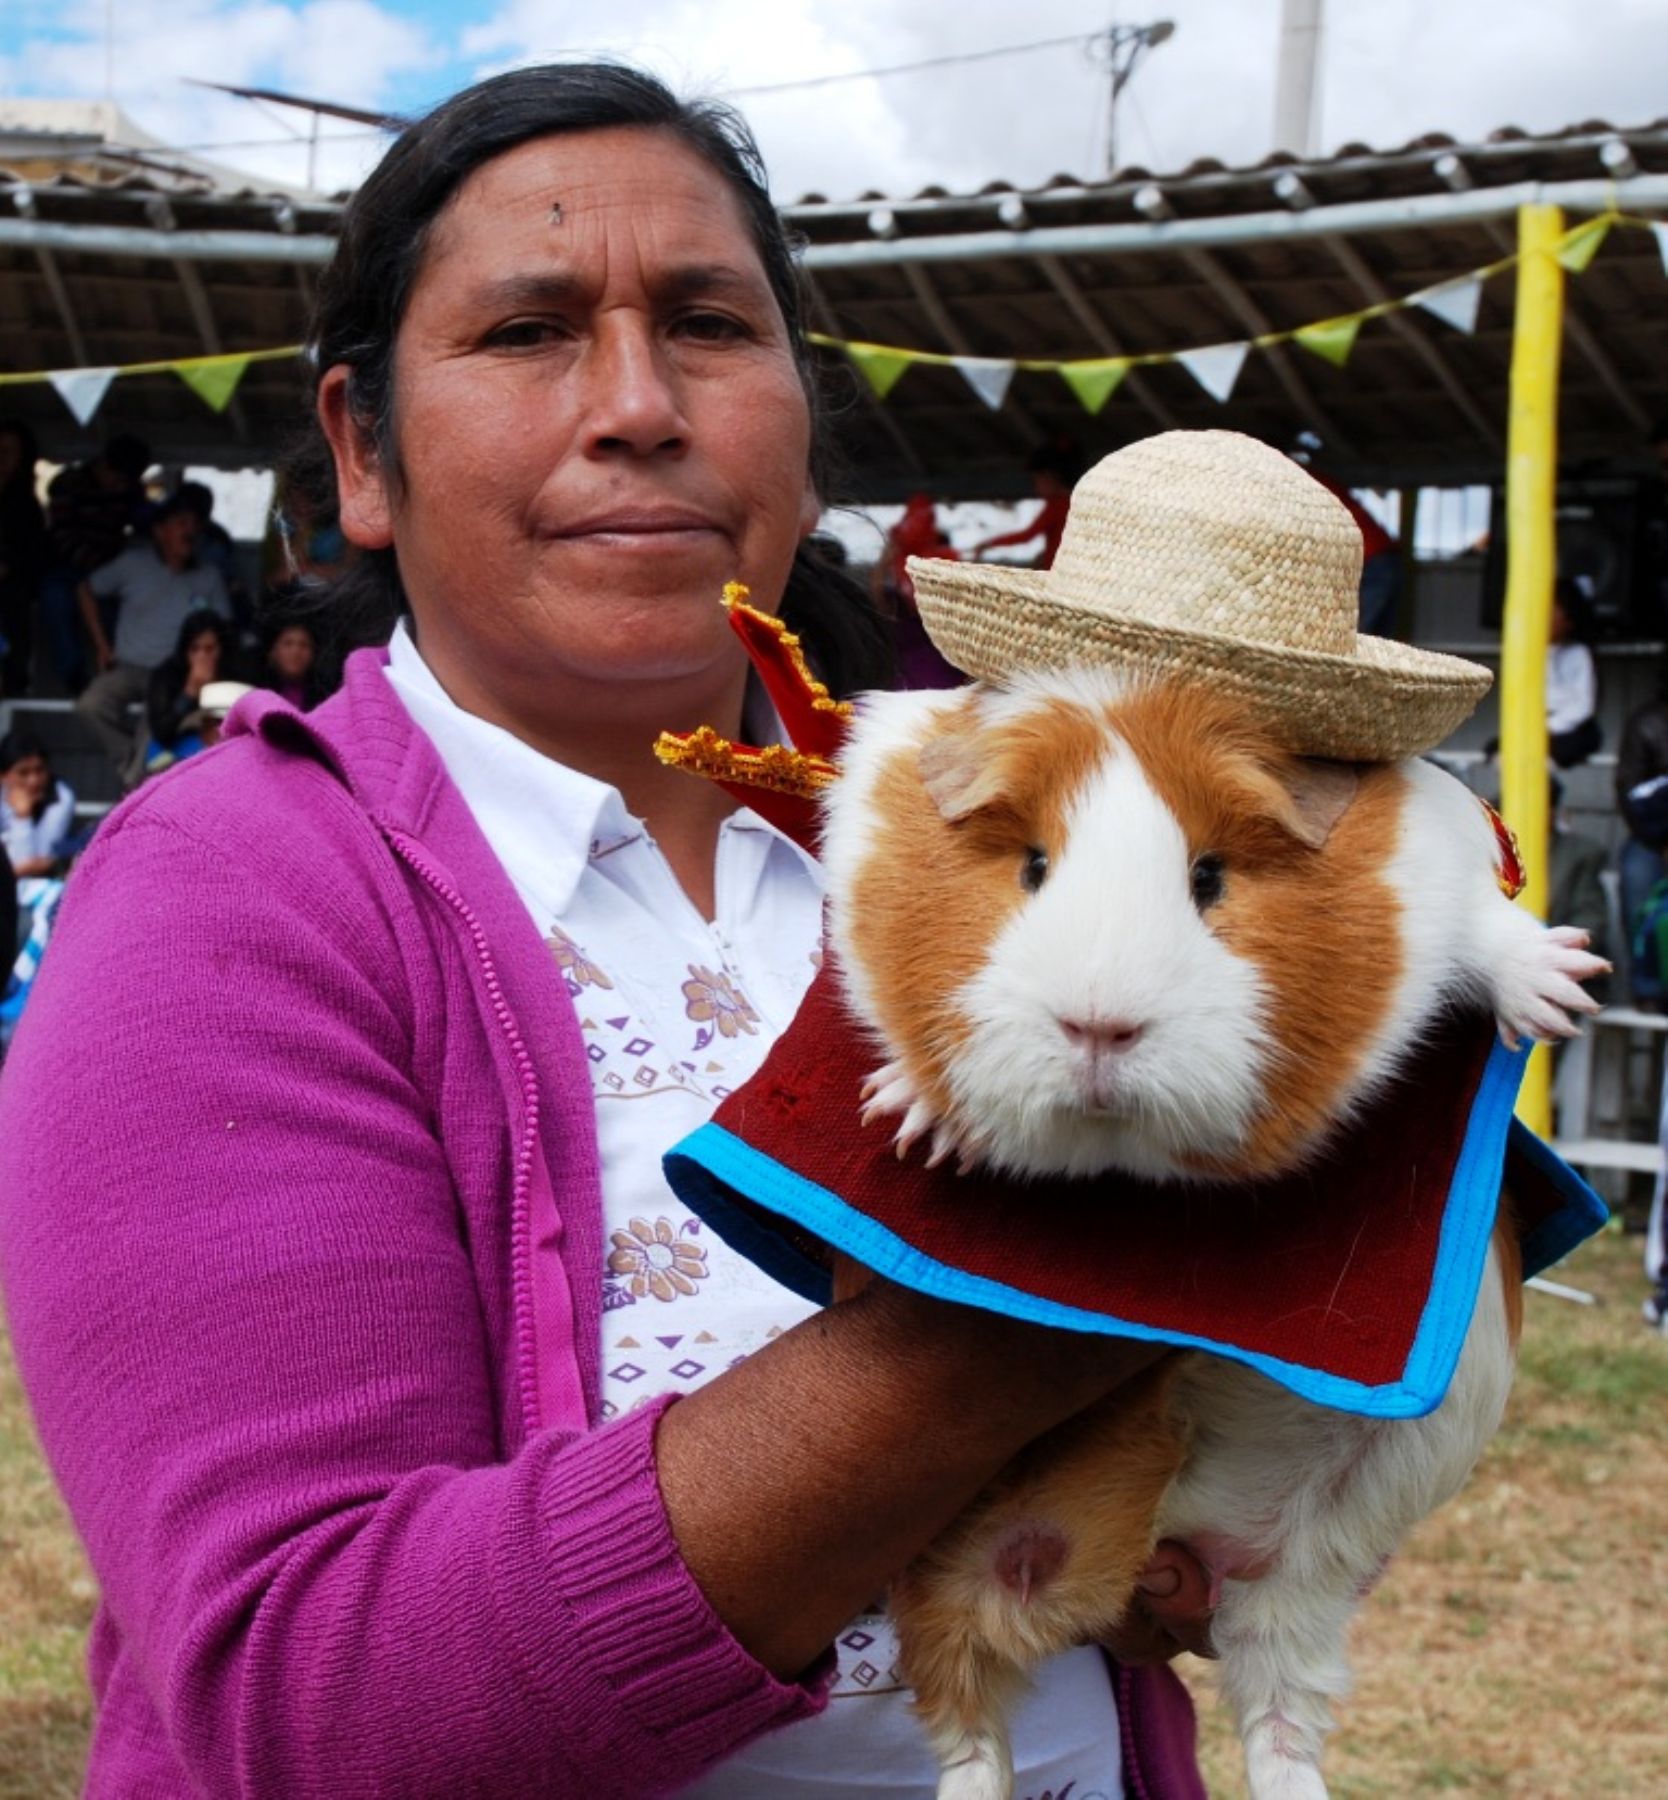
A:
(1391, 69)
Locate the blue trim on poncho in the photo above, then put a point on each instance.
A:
(711, 1170)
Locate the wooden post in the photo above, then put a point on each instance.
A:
(1531, 560)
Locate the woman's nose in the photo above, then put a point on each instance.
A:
(633, 403)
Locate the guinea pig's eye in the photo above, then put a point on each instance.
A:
(1035, 870)
(1207, 880)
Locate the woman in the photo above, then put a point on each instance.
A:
(23, 551)
(399, 1472)
(173, 701)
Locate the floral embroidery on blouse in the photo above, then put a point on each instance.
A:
(657, 1260)
(573, 962)
(711, 995)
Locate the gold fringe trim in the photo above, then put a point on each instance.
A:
(782, 770)
(735, 600)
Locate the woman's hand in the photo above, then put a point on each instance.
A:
(799, 1482)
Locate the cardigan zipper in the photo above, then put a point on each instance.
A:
(520, 1198)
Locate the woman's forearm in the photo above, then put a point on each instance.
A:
(801, 1481)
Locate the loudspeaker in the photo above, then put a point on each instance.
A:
(1600, 524)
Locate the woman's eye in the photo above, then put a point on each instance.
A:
(1034, 870)
(712, 328)
(1207, 880)
(522, 334)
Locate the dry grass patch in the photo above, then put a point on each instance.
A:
(1516, 1647)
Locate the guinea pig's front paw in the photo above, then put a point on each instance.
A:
(1539, 989)
(892, 1090)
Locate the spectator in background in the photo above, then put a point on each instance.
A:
(1381, 562)
(156, 584)
(37, 828)
(217, 549)
(917, 533)
(289, 665)
(90, 510)
(23, 550)
(1577, 894)
(1054, 470)
(37, 812)
(173, 703)
(1642, 798)
(1572, 727)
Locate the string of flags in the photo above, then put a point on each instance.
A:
(1094, 380)
(1216, 367)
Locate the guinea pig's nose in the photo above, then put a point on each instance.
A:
(1102, 1036)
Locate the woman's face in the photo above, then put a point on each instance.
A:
(204, 648)
(599, 422)
(291, 655)
(27, 781)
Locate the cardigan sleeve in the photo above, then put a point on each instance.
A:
(244, 1311)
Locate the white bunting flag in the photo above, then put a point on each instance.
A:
(1661, 232)
(987, 377)
(1453, 302)
(1215, 367)
(82, 390)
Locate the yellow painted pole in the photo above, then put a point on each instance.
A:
(1531, 556)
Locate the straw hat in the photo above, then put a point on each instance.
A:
(1209, 555)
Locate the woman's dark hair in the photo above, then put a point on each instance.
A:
(1578, 609)
(363, 294)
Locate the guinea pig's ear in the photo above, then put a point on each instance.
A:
(1317, 795)
(960, 774)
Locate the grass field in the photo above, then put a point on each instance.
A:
(1516, 1648)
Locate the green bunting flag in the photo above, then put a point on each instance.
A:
(213, 379)
(1580, 246)
(1094, 383)
(1331, 338)
(881, 367)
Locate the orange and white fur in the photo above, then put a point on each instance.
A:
(1098, 925)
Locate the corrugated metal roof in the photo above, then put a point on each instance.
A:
(1417, 400)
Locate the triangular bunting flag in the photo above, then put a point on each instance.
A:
(1453, 302)
(1331, 338)
(987, 377)
(213, 382)
(1215, 367)
(1094, 383)
(82, 390)
(881, 367)
(1580, 246)
(1661, 232)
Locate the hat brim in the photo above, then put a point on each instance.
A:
(1384, 702)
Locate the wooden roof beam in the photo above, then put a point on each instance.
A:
(828, 324)
(1241, 305)
(1100, 335)
(1356, 267)
(955, 341)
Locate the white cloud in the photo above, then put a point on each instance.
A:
(351, 51)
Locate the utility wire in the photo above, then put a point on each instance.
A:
(931, 62)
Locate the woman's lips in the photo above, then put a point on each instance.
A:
(645, 529)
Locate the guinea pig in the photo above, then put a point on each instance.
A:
(1100, 924)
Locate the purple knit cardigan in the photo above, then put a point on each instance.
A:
(297, 1096)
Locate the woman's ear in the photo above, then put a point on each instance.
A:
(362, 488)
(810, 509)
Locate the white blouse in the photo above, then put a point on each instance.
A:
(677, 1011)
